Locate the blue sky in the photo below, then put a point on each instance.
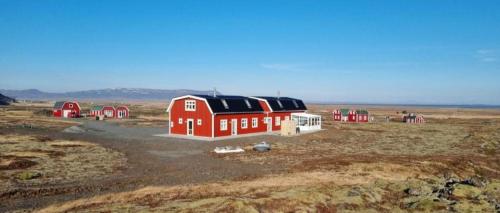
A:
(422, 51)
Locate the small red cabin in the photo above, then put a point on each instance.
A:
(122, 112)
(218, 116)
(412, 118)
(109, 111)
(66, 109)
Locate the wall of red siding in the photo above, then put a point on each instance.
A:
(261, 127)
(363, 118)
(202, 112)
(337, 115)
(121, 108)
(109, 108)
(57, 113)
(282, 116)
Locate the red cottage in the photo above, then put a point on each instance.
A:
(66, 109)
(362, 116)
(218, 116)
(122, 112)
(341, 115)
(412, 118)
(109, 111)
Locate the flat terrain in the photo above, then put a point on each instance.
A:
(451, 163)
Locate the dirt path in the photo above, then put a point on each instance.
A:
(151, 161)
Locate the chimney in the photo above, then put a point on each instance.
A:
(278, 94)
(215, 92)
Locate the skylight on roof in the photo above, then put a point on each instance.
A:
(279, 103)
(295, 104)
(224, 103)
(248, 104)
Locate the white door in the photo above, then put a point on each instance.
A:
(269, 122)
(190, 127)
(66, 113)
(234, 126)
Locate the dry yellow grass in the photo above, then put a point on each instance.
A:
(58, 161)
(23, 115)
(297, 191)
(358, 187)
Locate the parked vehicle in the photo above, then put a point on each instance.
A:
(262, 147)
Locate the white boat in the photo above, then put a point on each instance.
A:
(228, 149)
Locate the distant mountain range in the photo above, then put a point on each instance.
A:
(103, 94)
(4, 100)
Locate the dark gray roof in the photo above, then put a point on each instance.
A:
(59, 104)
(284, 103)
(234, 104)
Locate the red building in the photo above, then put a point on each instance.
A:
(110, 111)
(66, 109)
(413, 118)
(351, 115)
(218, 116)
(122, 112)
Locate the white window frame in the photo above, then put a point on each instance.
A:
(255, 122)
(223, 125)
(199, 122)
(171, 124)
(190, 105)
(277, 121)
(70, 105)
(244, 123)
(180, 120)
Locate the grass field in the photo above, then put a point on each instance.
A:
(450, 163)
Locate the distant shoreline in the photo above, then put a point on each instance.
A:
(459, 106)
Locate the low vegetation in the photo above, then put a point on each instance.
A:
(450, 163)
(357, 187)
(42, 162)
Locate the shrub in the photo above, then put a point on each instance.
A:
(28, 175)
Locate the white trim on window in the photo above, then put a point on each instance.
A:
(180, 120)
(190, 105)
(255, 122)
(223, 125)
(244, 123)
(277, 121)
(199, 122)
